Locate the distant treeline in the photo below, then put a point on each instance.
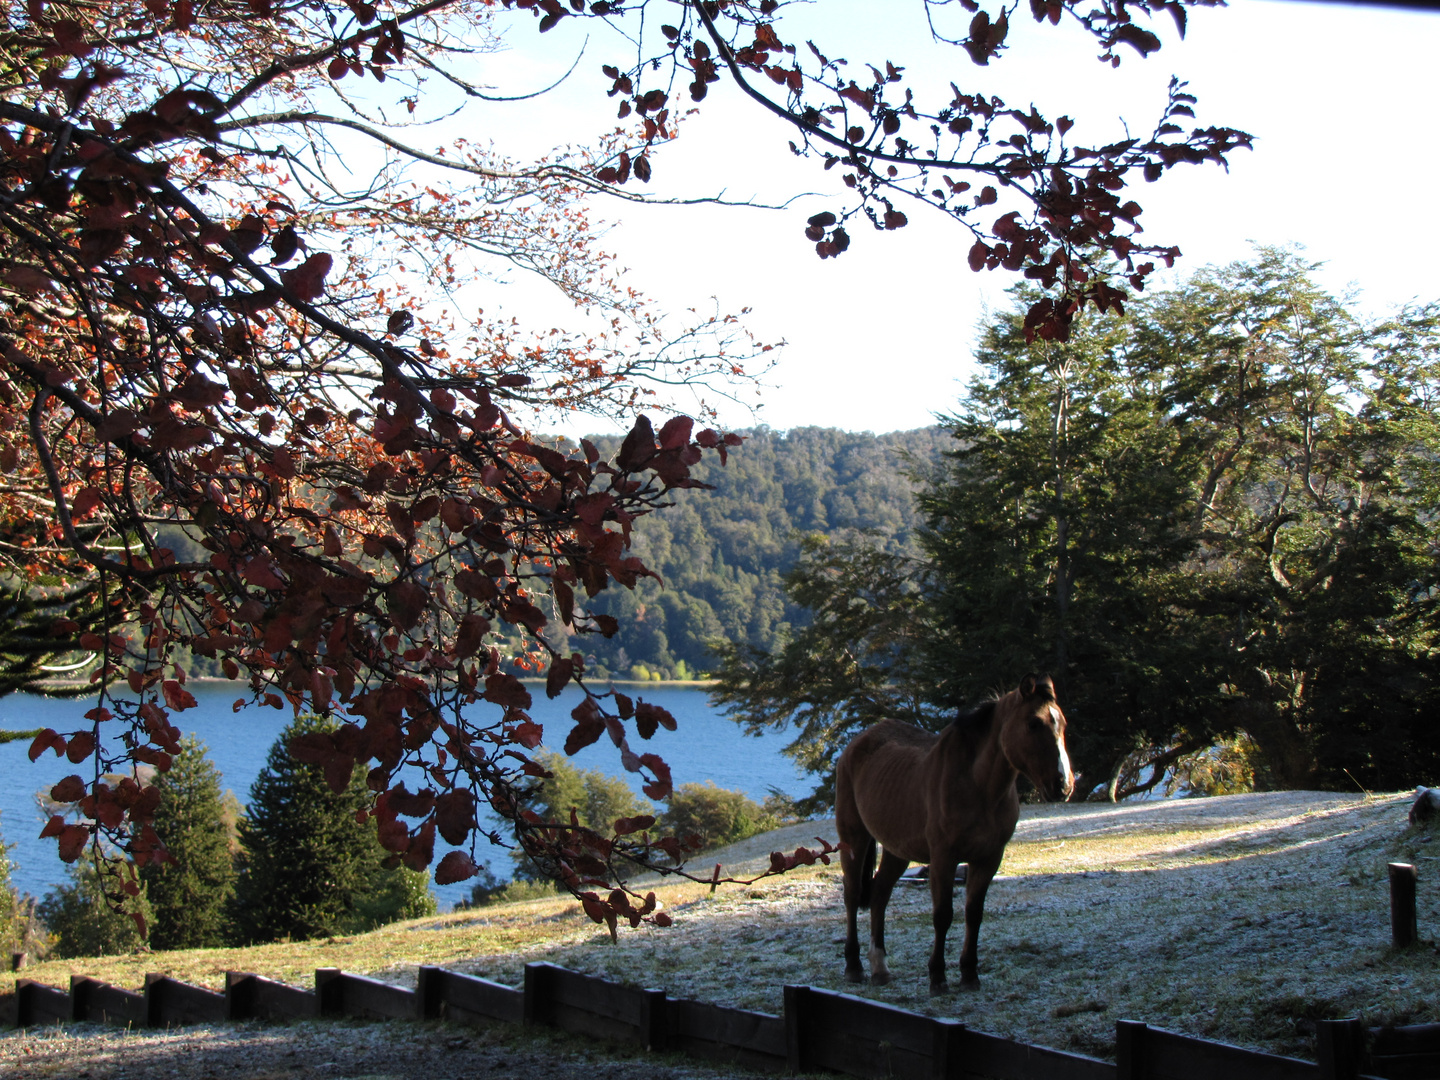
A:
(722, 553)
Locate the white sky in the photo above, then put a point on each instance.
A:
(1340, 99)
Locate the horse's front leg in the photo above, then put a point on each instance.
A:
(855, 868)
(942, 903)
(977, 884)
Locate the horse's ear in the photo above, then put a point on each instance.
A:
(1041, 685)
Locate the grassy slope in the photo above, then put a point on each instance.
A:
(1241, 920)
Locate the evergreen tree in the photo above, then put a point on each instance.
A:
(190, 898)
(307, 868)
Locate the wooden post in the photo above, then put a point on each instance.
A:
(154, 1000)
(329, 992)
(535, 1008)
(239, 995)
(429, 990)
(654, 1019)
(947, 1055)
(80, 997)
(797, 1048)
(1338, 1048)
(18, 960)
(1130, 1063)
(1402, 905)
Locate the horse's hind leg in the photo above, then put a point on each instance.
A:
(888, 872)
(857, 864)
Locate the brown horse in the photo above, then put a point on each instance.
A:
(942, 799)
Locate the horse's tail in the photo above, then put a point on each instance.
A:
(867, 872)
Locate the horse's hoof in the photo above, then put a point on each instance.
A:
(938, 989)
(969, 980)
(880, 978)
(854, 975)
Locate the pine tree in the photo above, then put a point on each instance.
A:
(190, 898)
(307, 868)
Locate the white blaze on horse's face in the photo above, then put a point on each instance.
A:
(1036, 742)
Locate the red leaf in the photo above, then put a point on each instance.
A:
(528, 734)
(82, 745)
(504, 689)
(455, 866)
(307, 281)
(562, 669)
(73, 839)
(455, 815)
(46, 740)
(71, 789)
(589, 725)
(647, 716)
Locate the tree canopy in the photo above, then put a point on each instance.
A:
(1211, 517)
(230, 304)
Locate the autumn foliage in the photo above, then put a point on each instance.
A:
(209, 329)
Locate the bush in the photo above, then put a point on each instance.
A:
(19, 931)
(597, 799)
(80, 920)
(190, 898)
(718, 816)
(307, 868)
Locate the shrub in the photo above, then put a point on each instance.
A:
(307, 868)
(19, 931)
(717, 815)
(190, 898)
(80, 920)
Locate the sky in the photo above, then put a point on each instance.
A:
(1339, 98)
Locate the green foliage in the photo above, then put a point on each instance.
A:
(191, 897)
(307, 868)
(32, 656)
(18, 931)
(1213, 516)
(80, 919)
(597, 799)
(852, 664)
(718, 816)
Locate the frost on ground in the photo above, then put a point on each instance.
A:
(325, 1050)
(1242, 918)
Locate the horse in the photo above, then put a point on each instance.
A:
(942, 799)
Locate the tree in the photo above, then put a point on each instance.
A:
(1210, 522)
(205, 327)
(190, 897)
(597, 800)
(309, 868)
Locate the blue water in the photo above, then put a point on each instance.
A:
(705, 746)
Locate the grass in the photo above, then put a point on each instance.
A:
(1242, 919)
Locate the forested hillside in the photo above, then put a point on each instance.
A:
(722, 552)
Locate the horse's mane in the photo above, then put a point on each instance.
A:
(975, 721)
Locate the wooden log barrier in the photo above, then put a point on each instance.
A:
(739, 1037)
(467, 998)
(588, 1005)
(1146, 1053)
(91, 999)
(1402, 905)
(254, 997)
(341, 994)
(36, 1003)
(169, 1001)
(1406, 1053)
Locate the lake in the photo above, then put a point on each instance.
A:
(706, 746)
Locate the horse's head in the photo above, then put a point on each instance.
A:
(1032, 735)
